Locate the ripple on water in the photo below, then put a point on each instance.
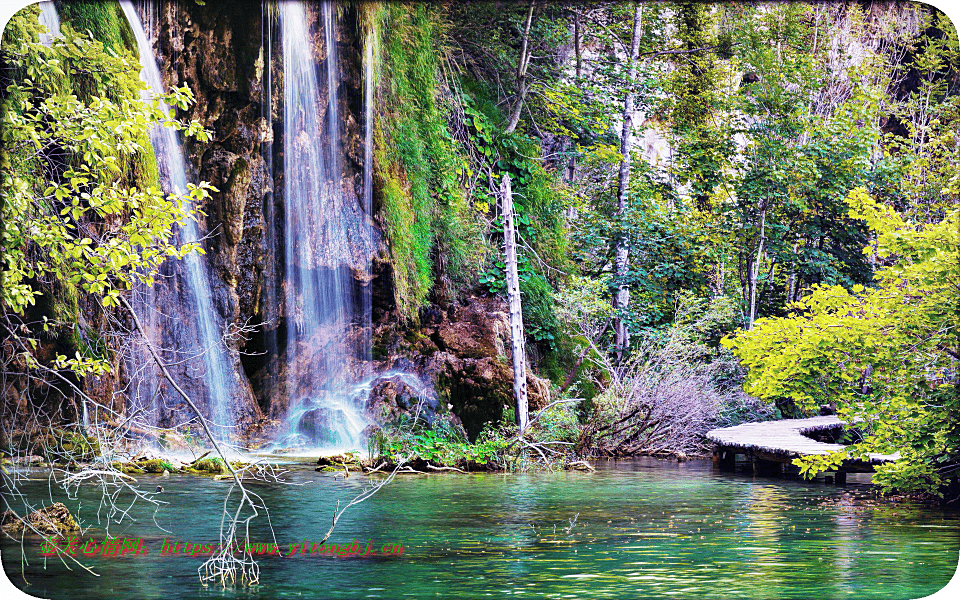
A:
(632, 529)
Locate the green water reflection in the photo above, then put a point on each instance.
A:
(633, 529)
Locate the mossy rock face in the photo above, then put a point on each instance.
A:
(57, 445)
(208, 465)
(154, 466)
(75, 446)
(105, 20)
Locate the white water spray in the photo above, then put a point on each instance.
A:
(213, 367)
(324, 229)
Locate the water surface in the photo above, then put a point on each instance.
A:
(643, 528)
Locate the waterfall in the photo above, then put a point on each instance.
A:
(213, 367)
(271, 281)
(51, 20)
(326, 245)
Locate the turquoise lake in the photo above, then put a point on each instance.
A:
(633, 529)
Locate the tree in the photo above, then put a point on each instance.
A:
(72, 216)
(887, 356)
(513, 294)
(700, 129)
(523, 65)
(621, 301)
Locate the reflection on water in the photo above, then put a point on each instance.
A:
(633, 529)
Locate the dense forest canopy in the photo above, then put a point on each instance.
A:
(724, 212)
(779, 176)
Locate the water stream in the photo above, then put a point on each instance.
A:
(49, 19)
(633, 529)
(324, 229)
(198, 329)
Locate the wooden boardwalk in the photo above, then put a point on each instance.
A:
(771, 446)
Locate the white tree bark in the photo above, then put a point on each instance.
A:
(621, 301)
(525, 51)
(755, 268)
(513, 295)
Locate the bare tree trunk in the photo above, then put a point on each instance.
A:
(577, 48)
(513, 294)
(792, 278)
(525, 52)
(622, 299)
(720, 282)
(755, 269)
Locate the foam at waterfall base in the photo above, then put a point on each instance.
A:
(334, 423)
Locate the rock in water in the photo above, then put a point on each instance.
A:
(50, 520)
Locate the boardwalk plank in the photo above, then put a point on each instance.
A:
(785, 439)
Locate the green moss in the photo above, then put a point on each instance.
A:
(140, 170)
(66, 304)
(210, 465)
(425, 210)
(239, 169)
(104, 20)
(154, 466)
(128, 468)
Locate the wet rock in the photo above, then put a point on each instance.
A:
(216, 49)
(393, 397)
(464, 352)
(327, 426)
(478, 329)
(50, 520)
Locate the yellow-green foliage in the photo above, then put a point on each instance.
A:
(107, 24)
(886, 355)
(423, 203)
(137, 168)
(78, 104)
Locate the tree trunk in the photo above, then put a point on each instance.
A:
(522, 72)
(621, 301)
(513, 295)
(755, 269)
(577, 48)
(792, 278)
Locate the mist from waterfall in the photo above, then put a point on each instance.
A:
(212, 368)
(326, 242)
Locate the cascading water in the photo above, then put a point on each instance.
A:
(51, 20)
(213, 367)
(271, 277)
(326, 246)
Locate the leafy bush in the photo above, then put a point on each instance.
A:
(886, 356)
(58, 198)
(444, 444)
